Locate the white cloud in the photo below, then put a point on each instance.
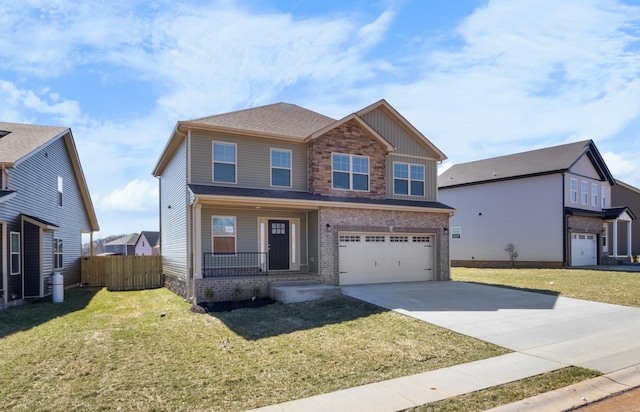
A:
(136, 196)
(19, 104)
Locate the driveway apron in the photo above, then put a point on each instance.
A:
(592, 335)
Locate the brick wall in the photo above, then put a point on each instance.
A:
(177, 286)
(223, 287)
(349, 138)
(367, 220)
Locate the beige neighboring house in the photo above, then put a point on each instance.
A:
(280, 192)
(148, 244)
(550, 207)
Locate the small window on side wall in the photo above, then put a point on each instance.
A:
(224, 234)
(15, 253)
(456, 232)
(60, 191)
(58, 261)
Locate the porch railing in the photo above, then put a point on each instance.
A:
(235, 264)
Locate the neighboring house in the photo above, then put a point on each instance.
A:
(543, 208)
(147, 244)
(625, 194)
(125, 245)
(288, 192)
(45, 208)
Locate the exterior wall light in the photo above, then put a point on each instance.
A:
(328, 227)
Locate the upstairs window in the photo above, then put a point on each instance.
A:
(574, 191)
(584, 193)
(57, 254)
(603, 197)
(350, 172)
(594, 194)
(60, 191)
(280, 168)
(15, 253)
(224, 234)
(224, 162)
(408, 179)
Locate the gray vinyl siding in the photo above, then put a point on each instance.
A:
(247, 227)
(430, 176)
(314, 247)
(253, 161)
(527, 213)
(396, 134)
(35, 179)
(173, 215)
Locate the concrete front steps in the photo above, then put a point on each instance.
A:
(301, 291)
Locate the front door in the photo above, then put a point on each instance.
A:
(278, 244)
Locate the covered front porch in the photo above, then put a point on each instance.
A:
(617, 236)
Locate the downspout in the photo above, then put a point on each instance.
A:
(565, 223)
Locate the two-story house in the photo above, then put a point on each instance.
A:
(123, 246)
(147, 243)
(44, 209)
(542, 208)
(280, 192)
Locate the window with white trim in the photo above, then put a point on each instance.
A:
(224, 234)
(456, 232)
(574, 190)
(15, 252)
(60, 191)
(58, 259)
(224, 162)
(280, 167)
(584, 193)
(408, 179)
(594, 194)
(350, 172)
(603, 196)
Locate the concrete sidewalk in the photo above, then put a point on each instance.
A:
(415, 390)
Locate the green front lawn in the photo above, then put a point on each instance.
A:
(620, 288)
(146, 350)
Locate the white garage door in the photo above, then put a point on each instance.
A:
(382, 258)
(583, 249)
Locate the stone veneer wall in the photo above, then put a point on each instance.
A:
(177, 286)
(349, 138)
(368, 220)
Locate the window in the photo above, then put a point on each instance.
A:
(15, 253)
(350, 172)
(60, 191)
(456, 232)
(584, 193)
(57, 254)
(574, 191)
(224, 234)
(280, 168)
(603, 196)
(408, 179)
(594, 194)
(224, 162)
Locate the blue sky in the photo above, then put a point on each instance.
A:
(478, 78)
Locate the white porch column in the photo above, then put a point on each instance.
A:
(629, 240)
(614, 235)
(197, 241)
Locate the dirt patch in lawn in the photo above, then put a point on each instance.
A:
(217, 307)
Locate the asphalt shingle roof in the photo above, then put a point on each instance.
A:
(152, 237)
(129, 240)
(24, 139)
(282, 119)
(531, 163)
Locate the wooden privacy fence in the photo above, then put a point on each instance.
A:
(122, 272)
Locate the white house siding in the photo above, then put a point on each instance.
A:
(253, 161)
(173, 216)
(247, 227)
(526, 213)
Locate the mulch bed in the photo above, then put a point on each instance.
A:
(213, 307)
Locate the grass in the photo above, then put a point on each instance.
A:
(620, 288)
(146, 350)
(510, 392)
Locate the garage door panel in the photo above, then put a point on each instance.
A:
(584, 249)
(375, 258)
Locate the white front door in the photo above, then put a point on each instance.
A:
(383, 258)
(583, 249)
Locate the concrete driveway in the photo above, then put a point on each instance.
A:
(593, 335)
